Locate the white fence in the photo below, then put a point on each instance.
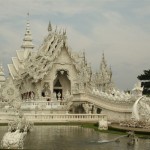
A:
(56, 117)
(65, 117)
(43, 103)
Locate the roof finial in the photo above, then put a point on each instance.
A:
(49, 27)
(56, 29)
(28, 15)
(103, 56)
(27, 41)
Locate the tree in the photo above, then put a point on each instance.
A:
(145, 81)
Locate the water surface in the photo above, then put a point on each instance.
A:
(74, 138)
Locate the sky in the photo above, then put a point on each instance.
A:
(119, 28)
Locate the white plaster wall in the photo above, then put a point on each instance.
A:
(116, 116)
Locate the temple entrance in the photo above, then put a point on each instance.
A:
(58, 90)
(58, 93)
(61, 84)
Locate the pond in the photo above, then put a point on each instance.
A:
(74, 138)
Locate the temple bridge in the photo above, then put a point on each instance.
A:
(99, 101)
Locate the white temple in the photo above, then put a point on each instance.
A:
(55, 80)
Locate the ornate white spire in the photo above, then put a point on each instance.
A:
(103, 64)
(49, 27)
(27, 41)
(104, 76)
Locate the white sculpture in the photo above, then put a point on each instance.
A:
(140, 107)
(103, 124)
(13, 140)
(137, 90)
(59, 95)
(87, 107)
(17, 130)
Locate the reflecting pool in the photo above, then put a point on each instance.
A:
(74, 138)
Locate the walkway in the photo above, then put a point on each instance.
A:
(136, 130)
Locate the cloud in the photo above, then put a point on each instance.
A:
(116, 27)
(126, 45)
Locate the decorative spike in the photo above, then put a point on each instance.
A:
(49, 27)
(56, 29)
(103, 62)
(27, 41)
(103, 56)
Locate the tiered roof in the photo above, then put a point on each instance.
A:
(38, 64)
(22, 54)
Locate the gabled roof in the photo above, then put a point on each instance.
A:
(20, 55)
(38, 66)
(12, 71)
(16, 63)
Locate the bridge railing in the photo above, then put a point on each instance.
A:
(103, 103)
(65, 117)
(56, 117)
(52, 103)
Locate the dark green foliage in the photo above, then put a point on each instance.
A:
(145, 81)
(145, 76)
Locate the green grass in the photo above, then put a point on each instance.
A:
(111, 130)
(95, 127)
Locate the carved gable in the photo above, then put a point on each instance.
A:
(63, 57)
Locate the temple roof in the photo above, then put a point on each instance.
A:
(2, 75)
(16, 63)
(12, 70)
(36, 65)
(20, 55)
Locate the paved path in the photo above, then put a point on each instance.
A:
(138, 130)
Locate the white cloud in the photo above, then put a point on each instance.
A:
(143, 10)
(126, 45)
(125, 42)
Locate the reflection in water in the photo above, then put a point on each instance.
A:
(74, 138)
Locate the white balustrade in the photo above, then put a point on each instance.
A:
(35, 102)
(5, 117)
(65, 117)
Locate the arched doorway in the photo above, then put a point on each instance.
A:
(99, 110)
(61, 84)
